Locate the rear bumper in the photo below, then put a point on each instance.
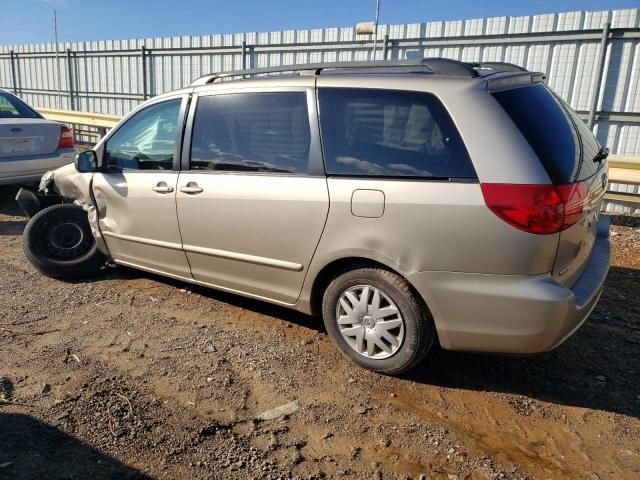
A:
(510, 313)
(30, 169)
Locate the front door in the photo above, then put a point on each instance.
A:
(136, 190)
(253, 200)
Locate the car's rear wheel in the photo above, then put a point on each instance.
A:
(58, 242)
(376, 320)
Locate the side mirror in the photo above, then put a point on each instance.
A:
(86, 162)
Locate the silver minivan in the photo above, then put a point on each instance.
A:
(406, 203)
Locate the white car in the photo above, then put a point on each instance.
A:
(30, 145)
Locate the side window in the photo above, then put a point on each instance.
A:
(382, 133)
(252, 132)
(146, 141)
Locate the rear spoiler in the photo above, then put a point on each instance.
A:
(504, 81)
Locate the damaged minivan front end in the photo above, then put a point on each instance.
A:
(65, 187)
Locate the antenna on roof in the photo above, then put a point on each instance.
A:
(375, 30)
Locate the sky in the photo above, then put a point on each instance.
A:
(31, 21)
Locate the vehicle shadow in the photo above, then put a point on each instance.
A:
(8, 205)
(596, 368)
(12, 227)
(263, 308)
(32, 449)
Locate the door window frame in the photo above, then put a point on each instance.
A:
(177, 148)
(316, 162)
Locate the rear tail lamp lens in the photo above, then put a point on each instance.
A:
(540, 209)
(66, 138)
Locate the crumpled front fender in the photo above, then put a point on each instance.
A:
(69, 183)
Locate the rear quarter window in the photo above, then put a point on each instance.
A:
(12, 107)
(557, 135)
(382, 133)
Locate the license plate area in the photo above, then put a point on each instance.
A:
(18, 145)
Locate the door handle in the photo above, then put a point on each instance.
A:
(191, 188)
(162, 187)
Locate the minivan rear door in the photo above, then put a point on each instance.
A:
(252, 198)
(570, 154)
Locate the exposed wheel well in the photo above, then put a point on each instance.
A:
(335, 268)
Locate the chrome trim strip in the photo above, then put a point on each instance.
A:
(144, 241)
(243, 257)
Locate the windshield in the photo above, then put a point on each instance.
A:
(12, 107)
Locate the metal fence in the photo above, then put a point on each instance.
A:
(113, 76)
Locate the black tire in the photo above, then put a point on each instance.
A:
(418, 331)
(59, 243)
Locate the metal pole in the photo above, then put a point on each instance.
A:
(70, 79)
(385, 47)
(244, 55)
(13, 71)
(143, 52)
(599, 75)
(55, 34)
(375, 30)
(70, 82)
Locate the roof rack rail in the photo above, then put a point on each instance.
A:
(436, 66)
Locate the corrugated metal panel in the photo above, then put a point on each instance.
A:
(107, 75)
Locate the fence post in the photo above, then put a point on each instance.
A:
(13, 57)
(70, 79)
(244, 55)
(599, 75)
(385, 47)
(70, 83)
(143, 53)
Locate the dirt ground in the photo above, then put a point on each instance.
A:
(130, 375)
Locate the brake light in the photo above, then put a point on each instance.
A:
(540, 209)
(66, 138)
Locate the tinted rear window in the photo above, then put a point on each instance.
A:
(252, 132)
(560, 139)
(383, 133)
(12, 107)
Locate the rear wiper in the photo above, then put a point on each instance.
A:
(602, 154)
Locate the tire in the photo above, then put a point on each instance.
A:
(59, 243)
(413, 337)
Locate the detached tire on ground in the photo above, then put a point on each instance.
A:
(59, 243)
(375, 319)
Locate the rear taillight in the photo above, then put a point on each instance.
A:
(538, 209)
(66, 138)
